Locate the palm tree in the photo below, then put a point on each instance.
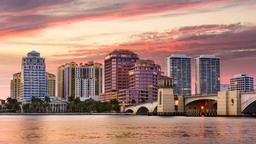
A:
(46, 104)
(12, 105)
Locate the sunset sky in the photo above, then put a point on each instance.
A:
(84, 30)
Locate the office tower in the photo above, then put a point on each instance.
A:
(51, 83)
(116, 71)
(83, 81)
(16, 86)
(207, 74)
(179, 69)
(33, 77)
(143, 81)
(242, 82)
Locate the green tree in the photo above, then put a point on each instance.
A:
(26, 108)
(36, 105)
(12, 105)
(115, 105)
(46, 104)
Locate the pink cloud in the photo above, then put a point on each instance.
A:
(31, 18)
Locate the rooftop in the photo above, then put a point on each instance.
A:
(178, 56)
(33, 54)
(207, 56)
(241, 75)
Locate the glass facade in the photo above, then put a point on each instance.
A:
(179, 69)
(207, 75)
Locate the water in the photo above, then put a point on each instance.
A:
(125, 130)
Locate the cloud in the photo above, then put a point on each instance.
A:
(21, 17)
(234, 41)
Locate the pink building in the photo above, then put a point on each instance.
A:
(143, 80)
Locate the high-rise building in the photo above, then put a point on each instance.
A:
(179, 69)
(33, 77)
(143, 81)
(67, 80)
(242, 83)
(51, 83)
(16, 86)
(207, 74)
(83, 81)
(89, 80)
(117, 65)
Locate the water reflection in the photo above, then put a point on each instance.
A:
(125, 129)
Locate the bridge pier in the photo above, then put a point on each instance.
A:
(229, 103)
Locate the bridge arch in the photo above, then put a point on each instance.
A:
(198, 98)
(248, 104)
(129, 111)
(250, 109)
(142, 110)
(150, 107)
(201, 105)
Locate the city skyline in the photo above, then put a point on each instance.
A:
(161, 29)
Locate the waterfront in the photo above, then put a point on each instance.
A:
(125, 129)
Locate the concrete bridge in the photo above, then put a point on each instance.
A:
(142, 108)
(228, 103)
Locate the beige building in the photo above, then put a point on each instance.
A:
(51, 81)
(67, 80)
(15, 87)
(80, 80)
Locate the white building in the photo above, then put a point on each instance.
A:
(242, 83)
(33, 77)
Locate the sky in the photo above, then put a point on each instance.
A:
(85, 30)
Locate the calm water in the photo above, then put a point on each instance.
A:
(125, 130)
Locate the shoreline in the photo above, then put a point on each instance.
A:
(111, 114)
(65, 114)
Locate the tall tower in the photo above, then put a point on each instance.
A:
(207, 74)
(67, 75)
(117, 66)
(91, 80)
(144, 76)
(143, 83)
(33, 77)
(179, 69)
(242, 82)
(83, 81)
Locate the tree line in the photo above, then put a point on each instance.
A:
(74, 105)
